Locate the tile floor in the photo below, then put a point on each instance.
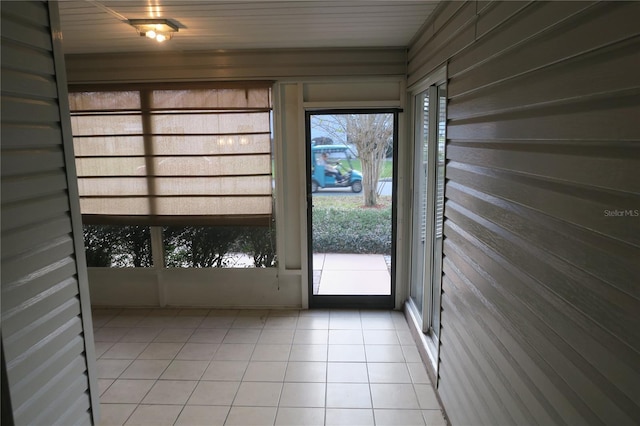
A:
(250, 367)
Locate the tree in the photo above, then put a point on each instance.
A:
(371, 134)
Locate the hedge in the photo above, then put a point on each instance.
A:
(340, 225)
(358, 230)
(189, 247)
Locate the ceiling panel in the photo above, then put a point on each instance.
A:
(100, 26)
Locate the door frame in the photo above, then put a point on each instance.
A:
(352, 301)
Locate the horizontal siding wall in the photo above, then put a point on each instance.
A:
(541, 280)
(236, 65)
(42, 325)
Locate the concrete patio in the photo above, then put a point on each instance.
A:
(350, 274)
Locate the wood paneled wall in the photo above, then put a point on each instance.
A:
(541, 279)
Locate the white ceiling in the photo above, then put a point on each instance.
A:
(98, 26)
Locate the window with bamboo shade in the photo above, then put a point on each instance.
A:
(172, 155)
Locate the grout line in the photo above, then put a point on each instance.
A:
(365, 324)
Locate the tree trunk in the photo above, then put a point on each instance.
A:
(370, 173)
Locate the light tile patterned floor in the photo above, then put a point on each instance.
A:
(250, 367)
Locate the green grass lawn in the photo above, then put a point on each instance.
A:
(349, 202)
(387, 168)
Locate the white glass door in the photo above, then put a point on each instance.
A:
(351, 207)
(428, 202)
(420, 200)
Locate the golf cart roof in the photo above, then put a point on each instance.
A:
(330, 148)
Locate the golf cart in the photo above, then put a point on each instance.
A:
(337, 154)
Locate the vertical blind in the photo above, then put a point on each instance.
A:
(425, 158)
(168, 156)
(440, 168)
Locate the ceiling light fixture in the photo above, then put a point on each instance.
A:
(156, 29)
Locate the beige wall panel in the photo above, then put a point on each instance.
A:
(444, 43)
(500, 385)
(28, 60)
(598, 300)
(209, 72)
(37, 283)
(37, 261)
(265, 64)
(535, 408)
(228, 288)
(555, 367)
(55, 363)
(31, 12)
(560, 83)
(420, 39)
(292, 146)
(46, 358)
(610, 285)
(438, 57)
(53, 352)
(123, 287)
(30, 84)
(33, 211)
(608, 119)
(367, 91)
(207, 287)
(30, 161)
(23, 136)
(540, 291)
(62, 295)
(25, 239)
(31, 187)
(496, 13)
(31, 33)
(29, 110)
(581, 33)
(429, 35)
(447, 14)
(561, 201)
(549, 161)
(65, 407)
(535, 18)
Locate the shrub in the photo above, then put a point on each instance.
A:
(351, 230)
(117, 246)
(216, 246)
(185, 246)
(260, 244)
(199, 246)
